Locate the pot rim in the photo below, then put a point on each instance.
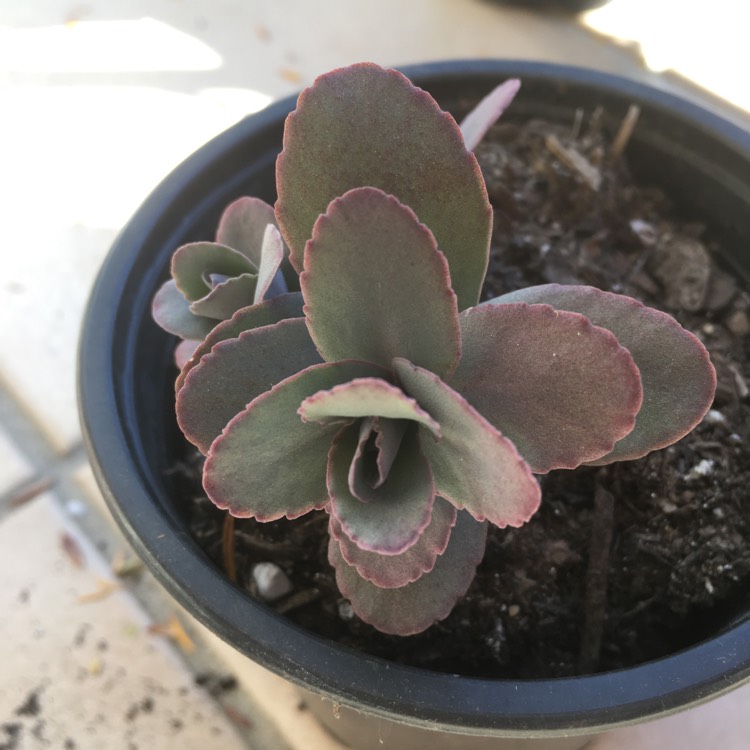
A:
(421, 697)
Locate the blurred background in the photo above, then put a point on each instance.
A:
(98, 102)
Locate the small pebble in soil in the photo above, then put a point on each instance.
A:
(704, 468)
(715, 418)
(346, 611)
(271, 580)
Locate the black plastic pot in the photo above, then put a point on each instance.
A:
(126, 394)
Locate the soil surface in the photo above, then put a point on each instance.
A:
(622, 564)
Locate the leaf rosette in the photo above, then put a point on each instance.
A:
(383, 394)
(213, 280)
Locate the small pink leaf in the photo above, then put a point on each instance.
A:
(271, 255)
(371, 272)
(394, 571)
(476, 124)
(414, 607)
(248, 467)
(263, 314)
(401, 507)
(349, 130)
(563, 390)
(184, 351)
(678, 378)
(235, 372)
(474, 466)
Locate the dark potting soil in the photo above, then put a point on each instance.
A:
(624, 563)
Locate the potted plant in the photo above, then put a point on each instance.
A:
(417, 368)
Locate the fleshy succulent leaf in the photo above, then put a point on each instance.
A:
(348, 131)
(172, 312)
(271, 255)
(476, 124)
(248, 467)
(193, 264)
(412, 608)
(235, 372)
(227, 297)
(264, 313)
(563, 390)
(184, 351)
(475, 467)
(243, 225)
(364, 474)
(365, 397)
(678, 378)
(371, 272)
(393, 571)
(400, 512)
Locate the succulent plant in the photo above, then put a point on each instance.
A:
(212, 280)
(383, 392)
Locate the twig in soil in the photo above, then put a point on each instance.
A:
(227, 548)
(298, 599)
(596, 580)
(575, 161)
(627, 126)
(276, 549)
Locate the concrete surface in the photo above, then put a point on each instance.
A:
(99, 100)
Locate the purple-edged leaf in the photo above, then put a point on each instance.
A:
(678, 378)
(243, 225)
(268, 463)
(272, 253)
(372, 272)
(476, 124)
(393, 571)
(171, 311)
(563, 390)
(235, 372)
(414, 607)
(195, 263)
(184, 351)
(227, 297)
(379, 441)
(366, 126)
(367, 397)
(401, 509)
(475, 467)
(263, 314)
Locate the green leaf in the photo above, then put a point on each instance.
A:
(172, 312)
(226, 298)
(474, 466)
(678, 378)
(394, 571)
(372, 272)
(268, 463)
(366, 397)
(235, 372)
(563, 390)
(401, 507)
(263, 314)
(192, 265)
(365, 126)
(412, 608)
